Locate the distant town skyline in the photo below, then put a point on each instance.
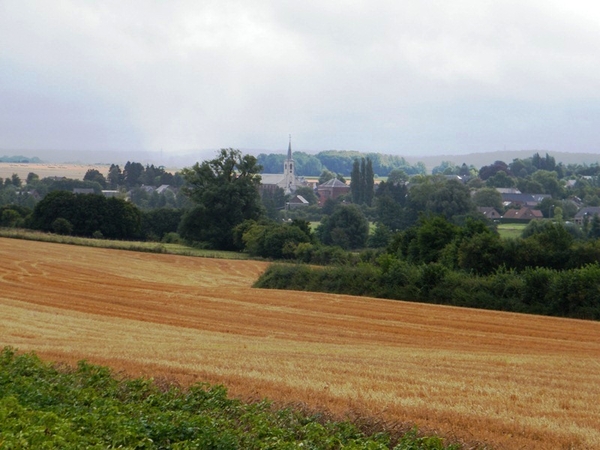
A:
(414, 79)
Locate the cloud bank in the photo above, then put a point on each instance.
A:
(409, 78)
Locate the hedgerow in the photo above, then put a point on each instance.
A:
(568, 293)
(46, 407)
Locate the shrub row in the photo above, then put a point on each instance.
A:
(570, 293)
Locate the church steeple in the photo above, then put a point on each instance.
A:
(288, 171)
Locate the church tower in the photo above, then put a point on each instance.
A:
(288, 171)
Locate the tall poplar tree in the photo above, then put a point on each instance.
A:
(355, 184)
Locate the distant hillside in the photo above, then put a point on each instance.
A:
(483, 159)
(20, 159)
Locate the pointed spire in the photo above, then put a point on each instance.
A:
(289, 156)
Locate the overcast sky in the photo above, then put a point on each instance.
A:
(407, 77)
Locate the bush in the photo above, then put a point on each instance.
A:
(62, 226)
(573, 293)
(171, 238)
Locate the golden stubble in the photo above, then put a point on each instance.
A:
(505, 380)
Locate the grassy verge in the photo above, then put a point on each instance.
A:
(138, 246)
(42, 406)
(511, 230)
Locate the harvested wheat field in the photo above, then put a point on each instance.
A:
(504, 380)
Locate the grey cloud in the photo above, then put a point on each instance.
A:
(380, 75)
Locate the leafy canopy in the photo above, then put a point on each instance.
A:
(225, 190)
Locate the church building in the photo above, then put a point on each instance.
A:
(288, 181)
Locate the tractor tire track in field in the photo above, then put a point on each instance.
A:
(507, 380)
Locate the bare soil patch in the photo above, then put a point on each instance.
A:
(507, 380)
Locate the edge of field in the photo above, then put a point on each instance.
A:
(137, 246)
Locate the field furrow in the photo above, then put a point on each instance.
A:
(514, 381)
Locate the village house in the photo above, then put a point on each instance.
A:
(529, 200)
(489, 213)
(588, 212)
(331, 189)
(297, 202)
(525, 214)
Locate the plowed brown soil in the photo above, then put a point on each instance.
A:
(506, 380)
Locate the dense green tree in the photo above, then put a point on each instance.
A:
(308, 194)
(115, 176)
(347, 227)
(489, 197)
(9, 217)
(362, 182)
(528, 186)
(274, 240)
(390, 213)
(594, 232)
(550, 182)
(438, 196)
(132, 173)
(489, 171)
(32, 178)
(500, 180)
(355, 183)
(480, 253)
(225, 190)
(445, 168)
(88, 213)
(16, 180)
(433, 234)
(369, 183)
(156, 223)
(397, 176)
(380, 238)
(325, 176)
(95, 175)
(274, 202)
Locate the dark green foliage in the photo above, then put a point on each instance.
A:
(305, 164)
(323, 255)
(308, 193)
(87, 213)
(362, 182)
(274, 240)
(545, 273)
(341, 161)
(87, 407)
(13, 215)
(62, 226)
(489, 197)
(274, 202)
(67, 184)
(132, 173)
(226, 192)
(438, 196)
(347, 227)
(489, 171)
(380, 238)
(570, 293)
(96, 176)
(429, 239)
(156, 223)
